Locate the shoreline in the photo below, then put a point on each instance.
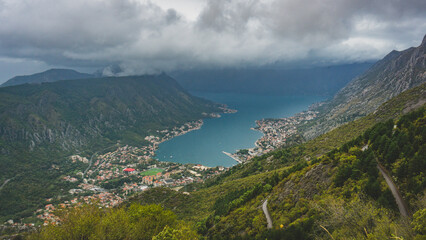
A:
(276, 132)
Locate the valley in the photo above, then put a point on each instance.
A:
(280, 121)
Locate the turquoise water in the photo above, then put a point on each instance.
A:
(232, 131)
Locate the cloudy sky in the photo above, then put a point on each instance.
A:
(145, 36)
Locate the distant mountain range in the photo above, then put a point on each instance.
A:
(395, 73)
(51, 75)
(310, 81)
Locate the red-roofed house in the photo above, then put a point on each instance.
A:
(129, 170)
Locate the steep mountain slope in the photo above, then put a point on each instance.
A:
(318, 81)
(42, 124)
(395, 73)
(51, 75)
(392, 109)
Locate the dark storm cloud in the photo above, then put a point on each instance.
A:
(139, 36)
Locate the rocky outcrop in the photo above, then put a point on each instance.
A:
(313, 182)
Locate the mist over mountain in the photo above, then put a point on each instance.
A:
(314, 81)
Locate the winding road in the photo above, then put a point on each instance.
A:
(402, 206)
(96, 153)
(266, 212)
(5, 182)
(90, 164)
(403, 209)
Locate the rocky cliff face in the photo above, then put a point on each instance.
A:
(395, 73)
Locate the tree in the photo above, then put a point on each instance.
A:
(181, 233)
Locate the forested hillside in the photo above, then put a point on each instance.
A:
(42, 124)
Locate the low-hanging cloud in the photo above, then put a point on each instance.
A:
(142, 37)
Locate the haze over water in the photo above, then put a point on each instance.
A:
(232, 131)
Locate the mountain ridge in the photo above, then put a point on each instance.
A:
(395, 73)
(87, 103)
(51, 75)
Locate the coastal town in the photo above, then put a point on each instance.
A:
(110, 177)
(113, 176)
(276, 133)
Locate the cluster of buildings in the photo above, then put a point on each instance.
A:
(126, 170)
(176, 131)
(276, 132)
(105, 199)
(11, 226)
(113, 176)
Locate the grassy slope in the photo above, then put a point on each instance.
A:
(391, 109)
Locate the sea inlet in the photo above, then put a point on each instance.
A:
(230, 132)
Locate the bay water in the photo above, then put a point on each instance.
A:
(230, 132)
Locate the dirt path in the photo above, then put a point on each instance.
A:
(403, 209)
(8, 180)
(266, 212)
(5, 182)
(90, 164)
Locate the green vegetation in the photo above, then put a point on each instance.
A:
(342, 191)
(152, 171)
(42, 125)
(117, 182)
(133, 222)
(392, 109)
(401, 148)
